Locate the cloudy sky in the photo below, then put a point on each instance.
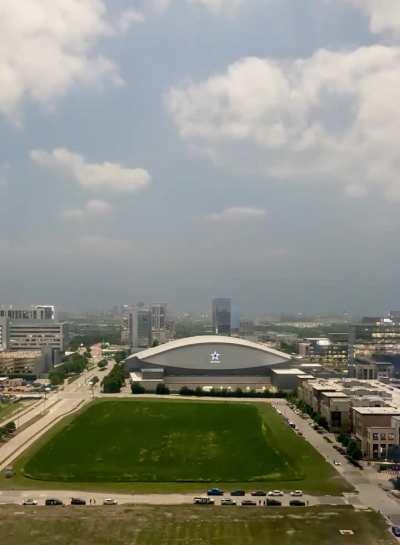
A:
(175, 150)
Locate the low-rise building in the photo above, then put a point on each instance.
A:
(371, 428)
(285, 379)
(335, 408)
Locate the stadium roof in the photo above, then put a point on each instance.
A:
(208, 339)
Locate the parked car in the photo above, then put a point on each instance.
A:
(271, 502)
(296, 493)
(215, 492)
(203, 501)
(258, 493)
(248, 502)
(297, 503)
(238, 493)
(29, 501)
(227, 501)
(275, 493)
(110, 501)
(53, 501)
(78, 501)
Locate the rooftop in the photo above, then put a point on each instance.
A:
(209, 339)
(288, 371)
(377, 410)
(335, 394)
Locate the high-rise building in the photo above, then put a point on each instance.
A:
(159, 322)
(158, 316)
(125, 324)
(140, 330)
(28, 312)
(221, 316)
(3, 334)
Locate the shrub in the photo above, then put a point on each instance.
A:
(136, 388)
(162, 389)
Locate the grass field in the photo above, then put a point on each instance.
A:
(175, 446)
(7, 410)
(145, 525)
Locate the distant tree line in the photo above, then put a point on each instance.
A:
(110, 335)
(73, 365)
(162, 389)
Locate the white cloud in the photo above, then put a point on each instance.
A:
(219, 5)
(92, 176)
(333, 116)
(384, 15)
(215, 6)
(236, 214)
(93, 209)
(129, 18)
(46, 46)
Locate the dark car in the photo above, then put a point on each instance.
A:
(53, 501)
(396, 531)
(78, 501)
(273, 503)
(297, 503)
(248, 502)
(258, 493)
(215, 492)
(238, 493)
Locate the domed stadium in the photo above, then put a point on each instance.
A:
(214, 361)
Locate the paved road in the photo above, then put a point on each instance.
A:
(367, 482)
(18, 496)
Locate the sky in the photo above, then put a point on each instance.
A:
(178, 150)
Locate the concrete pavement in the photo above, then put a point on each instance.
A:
(18, 496)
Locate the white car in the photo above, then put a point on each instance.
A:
(227, 501)
(275, 493)
(296, 493)
(336, 463)
(29, 501)
(110, 501)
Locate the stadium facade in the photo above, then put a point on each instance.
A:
(206, 361)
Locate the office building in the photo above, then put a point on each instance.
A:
(3, 333)
(159, 322)
(140, 328)
(20, 363)
(125, 324)
(332, 349)
(35, 334)
(221, 316)
(374, 338)
(28, 312)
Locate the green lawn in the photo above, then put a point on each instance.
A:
(157, 445)
(7, 410)
(173, 525)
